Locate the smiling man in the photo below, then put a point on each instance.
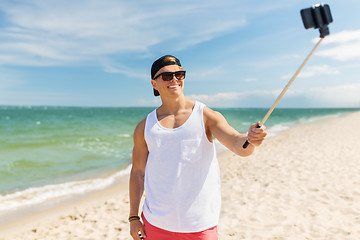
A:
(174, 161)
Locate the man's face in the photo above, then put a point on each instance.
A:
(173, 87)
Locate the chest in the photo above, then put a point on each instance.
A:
(172, 121)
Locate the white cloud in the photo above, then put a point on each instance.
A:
(233, 96)
(333, 96)
(347, 46)
(119, 68)
(218, 97)
(344, 52)
(347, 95)
(18, 97)
(314, 71)
(43, 33)
(250, 79)
(342, 37)
(154, 101)
(64, 32)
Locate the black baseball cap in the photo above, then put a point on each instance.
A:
(162, 62)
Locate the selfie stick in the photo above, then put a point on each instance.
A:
(318, 16)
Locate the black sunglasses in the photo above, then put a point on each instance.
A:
(168, 76)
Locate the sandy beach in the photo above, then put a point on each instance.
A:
(303, 183)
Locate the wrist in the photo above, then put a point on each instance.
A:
(133, 218)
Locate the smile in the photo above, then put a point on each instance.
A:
(174, 86)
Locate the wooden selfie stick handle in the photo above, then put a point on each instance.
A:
(285, 89)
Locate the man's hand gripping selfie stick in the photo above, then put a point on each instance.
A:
(318, 16)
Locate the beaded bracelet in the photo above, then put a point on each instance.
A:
(132, 218)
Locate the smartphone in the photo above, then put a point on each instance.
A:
(316, 16)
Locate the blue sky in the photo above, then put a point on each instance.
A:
(237, 53)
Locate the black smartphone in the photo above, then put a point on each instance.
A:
(317, 16)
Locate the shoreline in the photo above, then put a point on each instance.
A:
(293, 187)
(40, 198)
(65, 209)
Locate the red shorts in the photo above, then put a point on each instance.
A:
(155, 233)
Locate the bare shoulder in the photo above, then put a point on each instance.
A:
(140, 150)
(216, 124)
(139, 129)
(212, 117)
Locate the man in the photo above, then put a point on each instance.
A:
(174, 161)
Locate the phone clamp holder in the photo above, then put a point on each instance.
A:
(317, 16)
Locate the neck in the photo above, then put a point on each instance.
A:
(174, 105)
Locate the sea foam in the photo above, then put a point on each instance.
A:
(55, 192)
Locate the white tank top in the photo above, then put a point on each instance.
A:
(182, 180)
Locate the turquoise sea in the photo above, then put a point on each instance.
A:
(49, 153)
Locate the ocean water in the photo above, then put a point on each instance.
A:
(50, 153)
